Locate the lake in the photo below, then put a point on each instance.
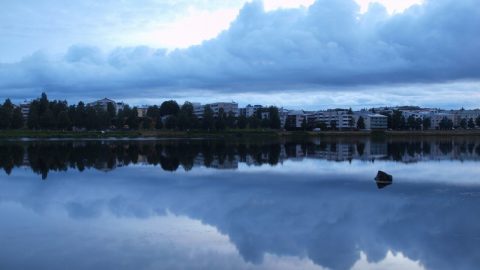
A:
(213, 204)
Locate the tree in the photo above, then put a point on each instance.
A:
(112, 112)
(333, 124)
(46, 120)
(220, 122)
(158, 123)
(147, 123)
(445, 124)
(398, 120)
(274, 116)
(360, 123)
(414, 123)
(186, 117)
(32, 121)
(426, 123)
(230, 120)
(254, 122)
(471, 123)
(304, 123)
(6, 112)
(64, 120)
(463, 123)
(133, 121)
(322, 125)
(169, 107)
(17, 119)
(208, 122)
(242, 122)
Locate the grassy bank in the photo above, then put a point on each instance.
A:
(227, 134)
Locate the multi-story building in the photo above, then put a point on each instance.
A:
(373, 121)
(437, 117)
(342, 119)
(198, 109)
(376, 121)
(25, 109)
(465, 114)
(226, 106)
(250, 110)
(142, 111)
(295, 119)
(103, 104)
(283, 113)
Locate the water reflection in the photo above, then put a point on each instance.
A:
(139, 214)
(45, 156)
(309, 213)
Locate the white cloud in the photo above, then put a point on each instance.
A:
(328, 47)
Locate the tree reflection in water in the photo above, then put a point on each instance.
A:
(45, 156)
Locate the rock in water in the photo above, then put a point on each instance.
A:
(383, 179)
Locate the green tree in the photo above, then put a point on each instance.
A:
(274, 117)
(147, 123)
(398, 120)
(186, 117)
(463, 123)
(33, 115)
(230, 120)
(333, 125)
(220, 122)
(46, 120)
(360, 123)
(171, 122)
(427, 123)
(477, 121)
(133, 121)
(445, 124)
(169, 107)
(112, 112)
(158, 123)
(17, 119)
(208, 122)
(6, 113)
(471, 123)
(242, 122)
(64, 120)
(304, 123)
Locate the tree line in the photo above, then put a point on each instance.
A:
(58, 115)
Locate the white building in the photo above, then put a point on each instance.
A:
(342, 118)
(436, 118)
(465, 114)
(295, 119)
(373, 121)
(283, 113)
(25, 109)
(376, 121)
(250, 110)
(142, 111)
(198, 109)
(226, 106)
(103, 104)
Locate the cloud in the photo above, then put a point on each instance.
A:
(328, 44)
(330, 219)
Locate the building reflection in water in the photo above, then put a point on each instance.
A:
(45, 156)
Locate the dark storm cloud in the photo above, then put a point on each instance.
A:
(328, 44)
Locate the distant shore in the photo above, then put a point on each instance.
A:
(246, 134)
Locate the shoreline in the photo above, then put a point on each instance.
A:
(227, 134)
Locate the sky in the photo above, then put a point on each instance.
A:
(310, 54)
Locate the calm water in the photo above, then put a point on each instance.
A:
(194, 204)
